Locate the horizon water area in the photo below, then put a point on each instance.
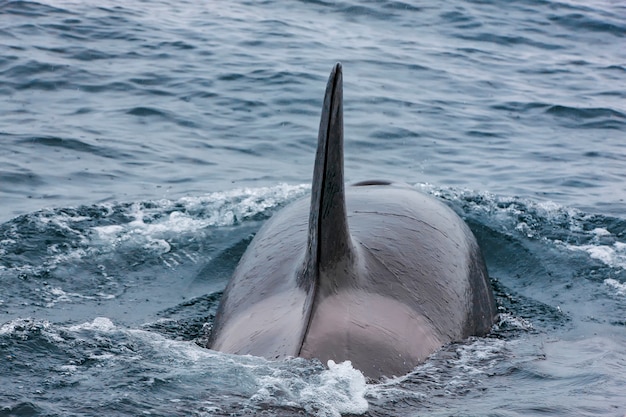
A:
(144, 143)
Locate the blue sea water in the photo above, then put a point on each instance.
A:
(145, 142)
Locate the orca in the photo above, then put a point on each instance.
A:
(376, 273)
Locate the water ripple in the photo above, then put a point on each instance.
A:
(73, 145)
(580, 21)
(29, 9)
(156, 103)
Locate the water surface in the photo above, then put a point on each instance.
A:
(144, 143)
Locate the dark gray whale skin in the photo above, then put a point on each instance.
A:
(376, 273)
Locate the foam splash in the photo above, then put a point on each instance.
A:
(14, 326)
(24, 328)
(523, 216)
(620, 288)
(211, 210)
(455, 369)
(340, 389)
(292, 384)
(153, 227)
(56, 295)
(613, 255)
(99, 324)
(156, 227)
(562, 226)
(603, 246)
(479, 355)
(511, 321)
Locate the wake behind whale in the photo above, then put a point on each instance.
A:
(376, 273)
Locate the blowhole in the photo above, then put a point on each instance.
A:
(372, 182)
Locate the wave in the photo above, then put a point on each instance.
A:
(139, 365)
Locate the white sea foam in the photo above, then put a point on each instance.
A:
(56, 295)
(100, 324)
(11, 326)
(479, 354)
(455, 368)
(190, 214)
(339, 389)
(530, 217)
(509, 320)
(613, 255)
(620, 288)
(298, 383)
(600, 231)
(23, 327)
(513, 213)
(332, 392)
(152, 227)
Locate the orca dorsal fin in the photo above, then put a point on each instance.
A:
(329, 239)
(329, 245)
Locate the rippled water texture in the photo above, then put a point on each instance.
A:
(129, 100)
(144, 143)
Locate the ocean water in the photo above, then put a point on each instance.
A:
(145, 142)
